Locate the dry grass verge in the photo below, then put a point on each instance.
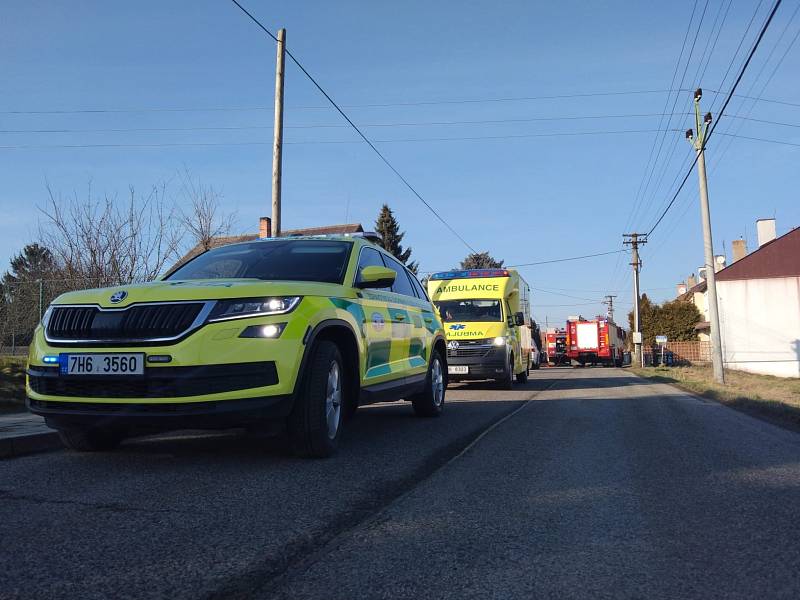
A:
(775, 399)
(12, 384)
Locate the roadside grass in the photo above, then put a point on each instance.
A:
(775, 399)
(12, 384)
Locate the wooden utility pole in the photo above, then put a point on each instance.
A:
(277, 148)
(634, 240)
(708, 244)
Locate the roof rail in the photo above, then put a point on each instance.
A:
(370, 236)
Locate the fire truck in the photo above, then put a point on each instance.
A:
(594, 341)
(556, 346)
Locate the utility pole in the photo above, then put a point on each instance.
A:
(277, 148)
(634, 240)
(609, 301)
(708, 244)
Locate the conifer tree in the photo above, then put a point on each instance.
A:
(391, 237)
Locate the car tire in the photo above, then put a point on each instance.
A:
(315, 422)
(430, 402)
(91, 440)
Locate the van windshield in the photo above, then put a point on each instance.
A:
(470, 310)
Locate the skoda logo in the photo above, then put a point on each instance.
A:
(457, 326)
(452, 345)
(119, 296)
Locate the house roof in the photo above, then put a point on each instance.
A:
(689, 294)
(778, 258)
(224, 240)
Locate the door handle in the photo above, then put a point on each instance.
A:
(400, 317)
(429, 319)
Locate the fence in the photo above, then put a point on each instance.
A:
(22, 305)
(681, 353)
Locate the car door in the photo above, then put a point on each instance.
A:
(377, 330)
(408, 354)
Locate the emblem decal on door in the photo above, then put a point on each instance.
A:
(378, 321)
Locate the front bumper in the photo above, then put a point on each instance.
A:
(491, 365)
(161, 398)
(163, 417)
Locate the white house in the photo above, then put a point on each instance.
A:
(759, 302)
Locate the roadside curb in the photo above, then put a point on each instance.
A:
(30, 443)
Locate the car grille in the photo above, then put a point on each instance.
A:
(138, 323)
(161, 382)
(470, 348)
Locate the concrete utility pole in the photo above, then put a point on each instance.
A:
(609, 301)
(633, 240)
(277, 148)
(708, 244)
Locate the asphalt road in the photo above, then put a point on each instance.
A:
(602, 485)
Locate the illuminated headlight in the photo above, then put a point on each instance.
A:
(499, 341)
(270, 331)
(252, 307)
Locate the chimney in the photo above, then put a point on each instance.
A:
(765, 228)
(739, 249)
(701, 274)
(264, 227)
(691, 281)
(720, 262)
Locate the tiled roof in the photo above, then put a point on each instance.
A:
(778, 258)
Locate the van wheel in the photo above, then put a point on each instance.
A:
(316, 419)
(430, 402)
(507, 382)
(91, 440)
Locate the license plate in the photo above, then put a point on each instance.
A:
(101, 364)
(457, 369)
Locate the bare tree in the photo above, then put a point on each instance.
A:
(110, 241)
(203, 219)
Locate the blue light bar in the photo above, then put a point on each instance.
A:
(472, 273)
(50, 360)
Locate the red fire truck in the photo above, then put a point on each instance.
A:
(595, 341)
(556, 346)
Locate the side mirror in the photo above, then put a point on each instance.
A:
(375, 277)
(519, 319)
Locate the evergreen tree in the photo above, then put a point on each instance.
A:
(675, 319)
(390, 237)
(481, 260)
(26, 286)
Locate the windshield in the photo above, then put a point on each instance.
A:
(283, 260)
(470, 310)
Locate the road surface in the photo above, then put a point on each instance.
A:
(588, 483)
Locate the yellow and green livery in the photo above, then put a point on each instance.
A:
(291, 331)
(486, 314)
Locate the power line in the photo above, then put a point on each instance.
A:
(558, 260)
(333, 125)
(180, 109)
(650, 163)
(322, 142)
(721, 112)
(656, 188)
(319, 107)
(357, 130)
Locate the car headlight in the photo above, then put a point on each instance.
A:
(241, 308)
(499, 341)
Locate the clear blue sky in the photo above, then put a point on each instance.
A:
(522, 198)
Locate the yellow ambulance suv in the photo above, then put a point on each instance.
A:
(291, 331)
(487, 320)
